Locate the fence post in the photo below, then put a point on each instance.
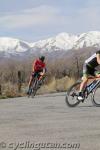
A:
(0, 89)
(19, 81)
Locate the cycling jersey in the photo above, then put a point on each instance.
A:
(38, 65)
(87, 70)
(92, 61)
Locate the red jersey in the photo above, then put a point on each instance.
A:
(38, 65)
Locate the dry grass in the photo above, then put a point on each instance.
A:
(10, 91)
(57, 85)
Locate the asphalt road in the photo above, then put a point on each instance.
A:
(47, 120)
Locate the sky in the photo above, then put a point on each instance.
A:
(33, 20)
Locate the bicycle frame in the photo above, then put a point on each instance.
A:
(91, 88)
(93, 85)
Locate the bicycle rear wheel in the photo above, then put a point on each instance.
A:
(71, 97)
(96, 97)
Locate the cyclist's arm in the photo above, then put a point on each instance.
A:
(98, 58)
(43, 72)
(34, 64)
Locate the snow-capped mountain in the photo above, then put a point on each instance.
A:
(65, 41)
(62, 42)
(11, 45)
(90, 39)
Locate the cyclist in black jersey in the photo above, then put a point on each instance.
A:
(89, 69)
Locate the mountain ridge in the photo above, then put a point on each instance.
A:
(61, 42)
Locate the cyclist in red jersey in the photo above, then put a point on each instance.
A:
(39, 68)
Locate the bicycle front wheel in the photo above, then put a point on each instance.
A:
(34, 88)
(72, 93)
(96, 97)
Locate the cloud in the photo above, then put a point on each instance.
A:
(84, 19)
(90, 16)
(44, 19)
(41, 15)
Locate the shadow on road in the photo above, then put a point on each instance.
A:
(51, 95)
(86, 106)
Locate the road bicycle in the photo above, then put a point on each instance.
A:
(92, 89)
(36, 84)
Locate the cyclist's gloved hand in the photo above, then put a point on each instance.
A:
(41, 73)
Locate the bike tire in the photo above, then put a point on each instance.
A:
(35, 88)
(29, 93)
(73, 98)
(33, 93)
(96, 97)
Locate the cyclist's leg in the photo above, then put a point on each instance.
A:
(82, 87)
(30, 81)
(84, 81)
(40, 74)
(86, 72)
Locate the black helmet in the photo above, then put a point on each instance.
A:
(42, 58)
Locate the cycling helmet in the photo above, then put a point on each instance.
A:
(42, 58)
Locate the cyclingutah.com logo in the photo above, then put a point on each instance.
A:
(38, 146)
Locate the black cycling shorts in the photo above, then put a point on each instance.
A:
(88, 70)
(37, 73)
